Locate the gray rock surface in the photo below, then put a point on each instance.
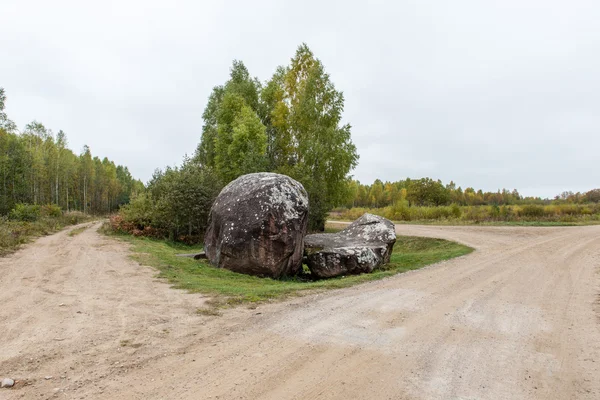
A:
(364, 245)
(257, 225)
(7, 383)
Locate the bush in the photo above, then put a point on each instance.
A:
(50, 210)
(175, 206)
(506, 213)
(139, 212)
(75, 217)
(456, 211)
(532, 211)
(25, 213)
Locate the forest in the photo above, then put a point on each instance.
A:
(425, 199)
(429, 192)
(38, 168)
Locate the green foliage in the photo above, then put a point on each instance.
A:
(14, 233)
(310, 145)
(25, 212)
(50, 210)
(427, 192)
(532, 211)
(74, 217)
(240, 147)
(36, 167)
(456, 211)
(427, 198)
(77, 231)
(175, 206)
(292, 126)
(224, 105)
(455, 214)
(140, 210)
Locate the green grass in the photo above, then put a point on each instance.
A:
(77, 231)
(13, 234)
(232, 288)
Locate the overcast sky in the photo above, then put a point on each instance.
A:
(490, 94)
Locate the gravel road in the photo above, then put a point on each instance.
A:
(516, 319)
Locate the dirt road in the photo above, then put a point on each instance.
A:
(517, 319)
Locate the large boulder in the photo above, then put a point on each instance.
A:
(257, 225)
(364, 245)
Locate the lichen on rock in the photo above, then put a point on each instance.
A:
(257, 225)
(363, 246)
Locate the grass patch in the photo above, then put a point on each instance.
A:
(13, 234)
(230, 288)
(77, 231)
(209, 311)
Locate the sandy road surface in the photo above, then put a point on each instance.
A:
(517, 319)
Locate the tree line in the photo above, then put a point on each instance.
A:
(432, 193)
(37, 167)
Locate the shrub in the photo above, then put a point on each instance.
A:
(50, 210)
(494, 211)
(25, 213)
(74, 217)
(532, 211)
(456, 211)
(26, 222)
(139, 212)
(506, 213)
(476, 213)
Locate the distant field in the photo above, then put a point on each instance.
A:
(514, 215)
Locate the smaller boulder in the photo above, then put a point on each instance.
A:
(363, 246)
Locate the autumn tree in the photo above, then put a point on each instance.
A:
(37, 167)
(306, 138)
(291, 125)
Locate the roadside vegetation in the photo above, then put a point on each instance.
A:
(428, 201)
(27, 222)
(77, 231)
(230, 288)
(528, 214)
(45, 186)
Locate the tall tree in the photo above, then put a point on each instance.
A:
(292, 126)
(224, 105)
(37, 167)
(307, 140)
(5, 124)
